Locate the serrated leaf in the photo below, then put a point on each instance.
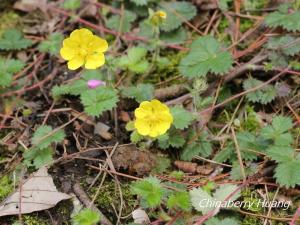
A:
(225, 190)
(198, 198)
(288, 45)
(13, 40)
(180, 200)
(205, 56)
(236, 173)
(38, 157)
(177, 12)
(71, 4)
(177, 36)
(44, 136)
(141, 92)
(181, 117)
(287, 173)
(172, 138)
(264, 95)
(139, 2)
(281, 153)
(286, 18)
(227, 153)
(226, 221)
(200, 146)
(114, 21)
(98, 100)
(135, 137)
(149, 189)
(86, 217)
(7, 68)
(135, 60)
(52, 44)
(278, 131)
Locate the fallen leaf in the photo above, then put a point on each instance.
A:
(102, 129)
(37, 193)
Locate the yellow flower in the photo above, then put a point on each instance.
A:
(161, 14)
(152, 118)
(158, 17)
(83, 48)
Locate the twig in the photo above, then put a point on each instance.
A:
(238, 151)
(84, 198)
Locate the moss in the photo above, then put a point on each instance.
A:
(251, 220)
(109, 195)
(9, 20)
(34, 220)
(6, 187)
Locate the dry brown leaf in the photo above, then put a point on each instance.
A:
(37, 193)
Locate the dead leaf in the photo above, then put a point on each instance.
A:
(140, 216)
(38, 193)
(135, 160)
(102, 129)
(30, 5)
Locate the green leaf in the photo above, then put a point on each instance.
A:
(98, 100)
(278, 131)
(200, 146)
(139, 2)
(86, 217)
(281, 153)
(52, 44)
(135, 60)
(13, 40)
(226, 221)
(227, 153)
(135, 137)
(205, 56)
(38, 157)
(180, 200)
(287, 173)
(177, 12)
(172, 138)
(223, 4)
(44, 136)
(141, 92)
(181, 117)
(199, 197)
(288, 45)
(114, 21)
(248, 143)
(282, 124)
(92, 74)
(225, 190)
(264, 95)
(286, 18)
(149, 189)
(7, 68)
(204, 202)
(236, 173)
(177, 36)
(71, 4)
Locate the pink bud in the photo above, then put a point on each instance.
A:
(95, 83)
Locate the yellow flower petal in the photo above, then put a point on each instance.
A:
(141, 113)
(67, 53)
(98, 45)
(84, 48)
(94, 61)
(142, 127)
(75, 63)
(153, 118)
(71, 43)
